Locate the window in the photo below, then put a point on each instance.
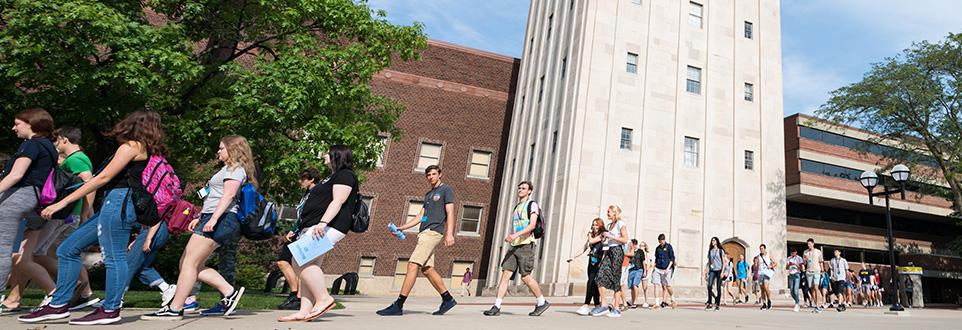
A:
(749, 92)
(749, 160)
(564, 66)
(480, 162)
(457, 273)
(626, 138)
(749, 30)
(366, 268)
(554, 141)
(470, 220)
(414, 207)
(430, 155)
(380, 157)
(694, 80)
(548, 37)
(400, 270)
(695, 14)
(541, 89)
(691, 152)
(531, 47)
(531, 160)
(632, 66)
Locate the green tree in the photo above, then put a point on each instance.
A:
(913, 102)
(291, 75)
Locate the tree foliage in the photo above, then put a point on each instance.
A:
(913, 102)
(291, 75)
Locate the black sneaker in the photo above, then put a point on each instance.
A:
(840, 308)
(164, 314)
(445, 307)
(393, 310)
(538, 310)
(494, 311)
(716, 307)
(293, 303)
(231, 301)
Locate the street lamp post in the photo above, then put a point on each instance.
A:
(900, 173)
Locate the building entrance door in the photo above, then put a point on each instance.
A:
(734, 248)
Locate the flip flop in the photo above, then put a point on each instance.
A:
(289, 319)
(314, 316)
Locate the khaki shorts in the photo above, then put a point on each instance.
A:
(423, 254)
(519, 259)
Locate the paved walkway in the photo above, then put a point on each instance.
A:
(359, 314)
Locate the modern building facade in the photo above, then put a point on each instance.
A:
(670, 109)
(825, 201)
(458, 101)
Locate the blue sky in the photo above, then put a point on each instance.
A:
(826, 44)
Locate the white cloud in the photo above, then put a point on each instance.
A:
(807, 86)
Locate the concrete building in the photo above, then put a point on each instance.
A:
(670, 109)
(826, 202)
(458, 101)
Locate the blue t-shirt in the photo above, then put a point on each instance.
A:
(742, 270)
(42, 154)
(664, 256)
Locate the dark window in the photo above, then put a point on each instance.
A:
(856, 144)
(749, 30)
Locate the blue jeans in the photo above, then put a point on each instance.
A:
(112, 230)
(794, 280)
(139, 262)
(714, 279)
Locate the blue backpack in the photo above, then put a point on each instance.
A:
(257, 215)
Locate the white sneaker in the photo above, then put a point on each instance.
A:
(645, 305)
(584, 310)
(167, 295)
(795, 309)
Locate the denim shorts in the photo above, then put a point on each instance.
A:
(634, 277)
(226, 229)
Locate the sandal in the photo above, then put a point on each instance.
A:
(314, 316)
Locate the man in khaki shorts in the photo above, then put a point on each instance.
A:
(435, 218)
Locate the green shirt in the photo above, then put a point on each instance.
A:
(77, 163)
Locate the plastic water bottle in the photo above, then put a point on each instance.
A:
(398, 233)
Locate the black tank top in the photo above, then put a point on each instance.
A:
(130, 176)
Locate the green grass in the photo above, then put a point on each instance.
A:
(253, 299)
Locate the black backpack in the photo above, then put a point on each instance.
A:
(361, 216)
(538, 231)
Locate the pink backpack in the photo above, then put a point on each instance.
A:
(159, 180)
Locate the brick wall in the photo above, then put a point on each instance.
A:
(456, 97)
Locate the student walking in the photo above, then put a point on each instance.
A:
(217, 223)
(793, 264)
(436, 221)
(466, 282)
(285, 260)
(609, 273)
(636, 271)
(23, 174)
(328, 213)
(713, 272)
(520, 257)
(649, 268)
(728, 277)
(140, 135)
(813, 273)
(741, 270)
(756, 290)
(593, 247)
(839, 268)
(664, 267)
(766, 272)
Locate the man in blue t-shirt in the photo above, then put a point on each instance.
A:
(664, 267)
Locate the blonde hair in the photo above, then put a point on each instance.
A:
(239, 155)
(616, 210)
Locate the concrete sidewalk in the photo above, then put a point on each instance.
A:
(359, 314)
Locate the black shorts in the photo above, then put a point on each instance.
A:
(838, 287)
(285, 255)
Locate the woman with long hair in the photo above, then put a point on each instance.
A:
(609, 274)
(592, 244)
(713, 271)
(23, 174)
(217, 223)
(649, 267)
(728, 277)
(139, 135)
(327, 214)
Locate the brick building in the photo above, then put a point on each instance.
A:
(458, 101)
(825, 201)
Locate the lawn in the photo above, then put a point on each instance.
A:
(252, 299)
